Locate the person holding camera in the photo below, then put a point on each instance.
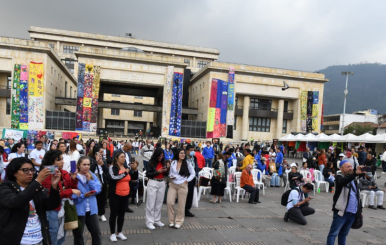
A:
(297, 205)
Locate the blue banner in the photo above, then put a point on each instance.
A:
(176, 106)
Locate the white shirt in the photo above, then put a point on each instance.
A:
(15, 155)
(100, 171)
(178, 178)
(79, 147)
(38, 156)
(84, 179)
(383, 158)
(33, 230)
(293, 198)
(66, 162)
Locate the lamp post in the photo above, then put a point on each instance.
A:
(347, 73)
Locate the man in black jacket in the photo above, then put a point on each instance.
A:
(346, 202)
(362, 155)
(191, 159)
(372, 162)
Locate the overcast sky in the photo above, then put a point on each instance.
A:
(303, 35)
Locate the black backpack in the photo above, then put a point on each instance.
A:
(284, 197)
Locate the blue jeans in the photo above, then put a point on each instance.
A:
(340, 227)
(52, 217)
(321, 167)
(275, 180)
(208, 162)
(145, 164)
(330, 182)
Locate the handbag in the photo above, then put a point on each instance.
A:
(358, 222)
(71, 220)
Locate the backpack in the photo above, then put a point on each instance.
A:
(218, 173)
(284, 197)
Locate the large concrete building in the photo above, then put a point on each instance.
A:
(133, 76)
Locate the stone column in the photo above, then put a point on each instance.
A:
(245, 128)
(125, 128)
(147, 126)
(279, 121)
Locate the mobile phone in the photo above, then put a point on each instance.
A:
(132, 159)
(366, 169)
(165, 167)
(73, 166)
(92, 191)
(52, 168)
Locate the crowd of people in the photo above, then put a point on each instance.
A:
(67, 184)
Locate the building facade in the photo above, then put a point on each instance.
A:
(335, 124)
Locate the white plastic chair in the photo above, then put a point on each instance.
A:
(210, 170)
(239, 190)
(207, 175)
(228, 191)
(231, 171)
(319, 180)
(258, 181)
(234, 162)
(307, 174)
(144, 186)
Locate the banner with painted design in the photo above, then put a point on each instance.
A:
(15, 98)
(169, 78)
(87, 94)
(23, 98)
(15, 134)
(35, 92)
(217, 111)
(176, 105)
(309, 111)
(231, 97)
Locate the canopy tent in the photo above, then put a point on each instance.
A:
(366, 138)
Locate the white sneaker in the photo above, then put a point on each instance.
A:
(171, 225)
(383, 172)
(177, 226)
(150, 227)
(121, 236)
(103, 218)
(159, 224)
(113, 238)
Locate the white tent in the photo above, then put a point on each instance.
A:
(322, 138)
(379, 138)
(348, 138)
(365, 137)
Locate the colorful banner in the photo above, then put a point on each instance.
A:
(15, 134)
(15, 108)
(303, 105)
(213, 94)
(217, 113)
(231, 99)
(35, 100)
(88, 93)
(71, 135)
(211, 116)
(24, 97)
(176, 106)
(169, 78)
(309, 111)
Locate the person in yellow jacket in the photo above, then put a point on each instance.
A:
(247, 160)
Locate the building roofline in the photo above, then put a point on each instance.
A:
(36, 46)
(260, 71)
(143, 42)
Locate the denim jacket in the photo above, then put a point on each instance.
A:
(81, 201)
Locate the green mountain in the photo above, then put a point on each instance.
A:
(366, 88)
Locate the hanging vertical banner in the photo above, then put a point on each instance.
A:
(88, 94)
(15, 108)
(217, 113)
(35, 92)
(224, 102)
(231, 98)
(169, 78)
(176, 106)
(23, 98)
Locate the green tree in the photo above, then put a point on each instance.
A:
(358, 129)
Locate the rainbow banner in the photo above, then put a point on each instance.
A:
(35, 92)
(15, 108)
(176, 106)
(217, 113)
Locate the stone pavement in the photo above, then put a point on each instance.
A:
(231, 223)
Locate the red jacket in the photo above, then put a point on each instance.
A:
(200, 159)
(69, 184)
(111, 148)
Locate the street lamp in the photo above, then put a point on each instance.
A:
(347, 73)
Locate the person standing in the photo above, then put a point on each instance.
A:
(208, 154)
(383, 160)
(192, 160)
(218, 185)
(119, 189)
(37, 154)
(86, 203)
(156, 170)
(168, 153)
(246, 182)
(346, 202)
(180, 174)
(322, 160)
(200, 159)
(147, 152)
(247, 160)
(371, 162)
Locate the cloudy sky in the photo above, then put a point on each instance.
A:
(294, 34)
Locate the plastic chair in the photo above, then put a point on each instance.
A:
(210, 170)
(239, 190)
(319, 180)
(144, 186)
(258, 181)
(207, 175)
(234, 162)
(231, 171)
(307, 174)
(365, 198)
(228, 191)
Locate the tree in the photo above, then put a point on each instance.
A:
(358, 129)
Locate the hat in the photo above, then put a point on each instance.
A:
(348, 154)
(341, 155)
(293, 165)
(263, 159)
(343, 162)
(369, 174)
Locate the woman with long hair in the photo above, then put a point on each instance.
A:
(322, 160)
(62, 147)
(86, 203)
(168, 153)
(73, 153)
(119, 189)
(218, 185)
(156, 171)
(180, 174)
(90, 146)
(67, 186)
(24, 203)
(100, 169)
(17, 151)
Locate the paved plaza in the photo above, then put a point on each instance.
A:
(231, 223)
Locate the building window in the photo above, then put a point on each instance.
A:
(285, 106)
(9, 82)
(138, 113)
(114, 112)
(138, 97)
(70, 63)
(197, 103)
(69, 49)
(202, 100)
(65, 90)
(259, 124)
(236, 99)
(70, 91)
(75, 95)
(201, 64)
(234, 123)
(285, 126)
(8, 108)
(203, 84)
(187, 61)
(51, 45)
(200, 87)
(260, 104)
